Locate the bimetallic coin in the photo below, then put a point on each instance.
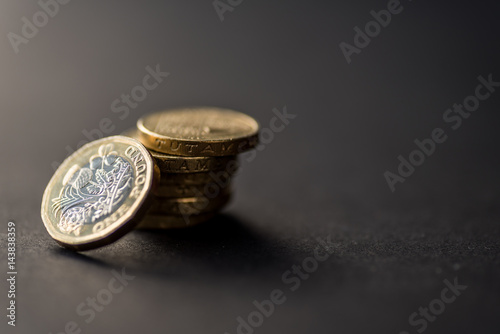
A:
(189, 206)
(99, 193)
(202, 131)
(173, 222)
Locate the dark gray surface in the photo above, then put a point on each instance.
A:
(323, 175)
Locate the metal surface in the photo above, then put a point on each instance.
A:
(99, 193)
(201, 131)
(169, 163)
(218, 178)
(187, 190)
(190, 205)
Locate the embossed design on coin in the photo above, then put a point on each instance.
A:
(199, 131)
(93, 191)
(99, 193)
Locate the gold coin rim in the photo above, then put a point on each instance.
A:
(149, 137)
(255, 126)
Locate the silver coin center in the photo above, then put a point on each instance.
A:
(94, 191)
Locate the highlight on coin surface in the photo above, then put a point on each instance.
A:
(169, 163)
(198, 131)
(99, 193)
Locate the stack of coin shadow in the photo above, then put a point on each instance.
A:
(196, 151)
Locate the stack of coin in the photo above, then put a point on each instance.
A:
(176, 171)
(196, 151)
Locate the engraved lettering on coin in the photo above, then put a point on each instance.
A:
(199, 131)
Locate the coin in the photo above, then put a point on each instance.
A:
(201, 131)
(99, 193)
(169, 221)
(215, 178)
(179, 164)
(189, 206)
(189, 190)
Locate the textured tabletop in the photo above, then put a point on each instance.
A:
(372, 205)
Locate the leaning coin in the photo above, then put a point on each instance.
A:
(189, 206)
(171, 221)
(200, 131)
(178, 164)
(99, 193)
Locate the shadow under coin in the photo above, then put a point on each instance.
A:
(225, 243)
(70, 254)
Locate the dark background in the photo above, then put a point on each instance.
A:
(323, 175)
